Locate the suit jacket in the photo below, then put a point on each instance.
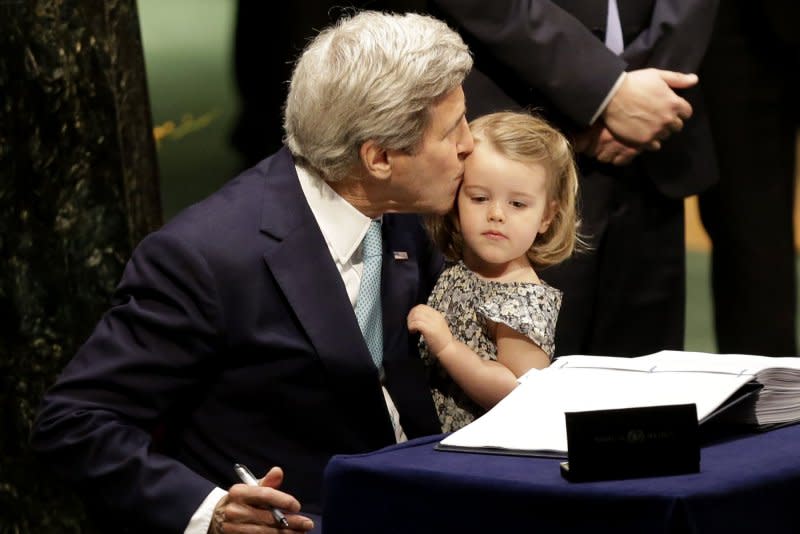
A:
(550, 55)
(231, 339)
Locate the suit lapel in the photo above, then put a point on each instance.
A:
(406, 378)
(399, 278)
(298, 258)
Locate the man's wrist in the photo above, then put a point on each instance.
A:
(218, 518)
(200, 522)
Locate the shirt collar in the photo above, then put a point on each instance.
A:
(342, 225)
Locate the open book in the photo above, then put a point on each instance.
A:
(757, 391)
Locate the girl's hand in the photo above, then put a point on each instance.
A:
(433, 327)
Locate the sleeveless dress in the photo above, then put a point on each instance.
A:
(469, 302)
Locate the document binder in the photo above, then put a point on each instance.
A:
(744, 392)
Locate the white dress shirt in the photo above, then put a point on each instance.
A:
(614, 42)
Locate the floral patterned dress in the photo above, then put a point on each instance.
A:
(470, 304)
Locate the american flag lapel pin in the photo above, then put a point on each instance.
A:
(400, 255)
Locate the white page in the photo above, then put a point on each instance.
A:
(707, 362)
(683, 361)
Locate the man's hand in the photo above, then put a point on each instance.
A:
(433, 327)
(247, 509)
(599, 143)
(645, 110)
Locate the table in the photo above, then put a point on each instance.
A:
(747, 484)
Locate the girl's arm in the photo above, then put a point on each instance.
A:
(485, 381)
(518, 352)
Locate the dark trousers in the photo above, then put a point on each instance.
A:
(625, 296)
(750, 77)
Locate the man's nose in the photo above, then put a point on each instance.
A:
(466, 144)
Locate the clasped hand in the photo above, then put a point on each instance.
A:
(643, 112)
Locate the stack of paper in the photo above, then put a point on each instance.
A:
(729, 388)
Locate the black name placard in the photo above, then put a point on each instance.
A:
(632, 443)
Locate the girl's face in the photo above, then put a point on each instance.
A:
(502, 207)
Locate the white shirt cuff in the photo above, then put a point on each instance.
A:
(201, 519)
(608, 97)
(399, 434)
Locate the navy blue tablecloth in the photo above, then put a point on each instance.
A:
(746, 484)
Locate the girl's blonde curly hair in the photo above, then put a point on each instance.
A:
(527, 139)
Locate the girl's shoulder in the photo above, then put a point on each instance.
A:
(459, 271)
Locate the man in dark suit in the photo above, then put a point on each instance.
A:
(751, 74)
(641, 153)
(233, 337)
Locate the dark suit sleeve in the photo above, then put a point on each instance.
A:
(677, 37)
(147, 354)
(544, 46)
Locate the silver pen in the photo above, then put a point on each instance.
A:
(247, 477)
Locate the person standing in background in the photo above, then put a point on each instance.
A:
(596, 70)
(751, 76)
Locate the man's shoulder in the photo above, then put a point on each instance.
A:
(237, 206)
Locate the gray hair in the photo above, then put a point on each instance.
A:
(372, 76)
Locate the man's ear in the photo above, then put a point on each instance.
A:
(375, 159)
(549, 215)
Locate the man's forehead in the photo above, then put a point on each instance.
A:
(447, 112)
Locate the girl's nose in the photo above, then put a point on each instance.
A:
(496, 213)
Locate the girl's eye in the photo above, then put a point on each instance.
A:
(479, 199)
(518, 204)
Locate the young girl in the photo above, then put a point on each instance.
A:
(490, 317)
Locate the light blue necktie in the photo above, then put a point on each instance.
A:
(614, 41)
(368, 303)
